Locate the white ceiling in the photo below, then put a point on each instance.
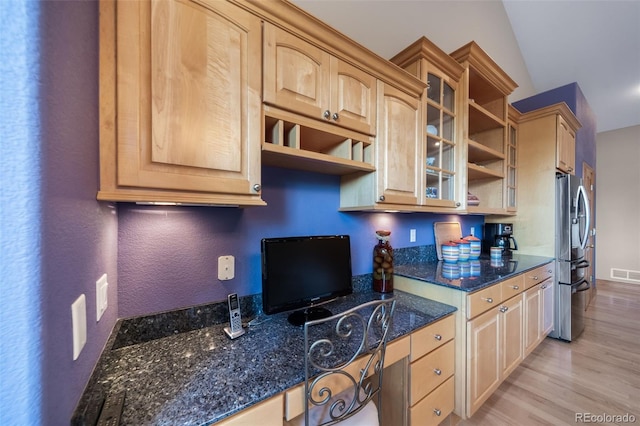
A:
(540, 44)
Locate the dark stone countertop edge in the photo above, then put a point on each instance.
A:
(412, 313)
(433, 272)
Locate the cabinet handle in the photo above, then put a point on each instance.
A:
(458, 204)
(543, 286)
(504, 309)
(382, 198)
(438, 337)
(437, 412)
(535, 278)
(515, 287)
(488, 299)
(335, 116)
(437, 371)
(327, 115)
(257, 187)
(549, 271)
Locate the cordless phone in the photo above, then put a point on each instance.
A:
(235, 319)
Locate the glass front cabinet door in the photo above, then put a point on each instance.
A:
(442, 164)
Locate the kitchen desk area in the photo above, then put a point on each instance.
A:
(199, 376)
(202, 377)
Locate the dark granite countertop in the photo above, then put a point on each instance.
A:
(473, 275)
(201, 376)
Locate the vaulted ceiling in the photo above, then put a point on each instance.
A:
(540, 44)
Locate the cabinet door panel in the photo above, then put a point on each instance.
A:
(296, 74)
(512, 335)
(354, 97)
(188, 97)
(547, 307)
(532, 318)
(483, 362)
(397, 146)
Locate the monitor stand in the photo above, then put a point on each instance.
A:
(298, 318)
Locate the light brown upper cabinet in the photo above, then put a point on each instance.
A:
(511, 183)
(180, 102)
(395, 183)
(442, 167)
(566, 147)
(541, 134)
(304, 79)
(486, 88)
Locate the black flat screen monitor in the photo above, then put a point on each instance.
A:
(302, 272)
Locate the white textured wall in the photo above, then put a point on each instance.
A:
(618, 207)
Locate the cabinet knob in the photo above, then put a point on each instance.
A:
(488, 299)
(335, 116)
(437, 412)
(458, 204)
(327, 115)
(381, 198)
(535, 278)
(438, 337)
(257, 187)
(515, 287)
(437, 371)
(503, 309)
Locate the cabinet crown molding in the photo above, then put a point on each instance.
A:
(291, 18)
(560, 108)
(473, 54)
(423, 48)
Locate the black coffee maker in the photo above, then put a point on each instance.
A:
(498, 235)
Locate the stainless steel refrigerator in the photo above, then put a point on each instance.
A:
(572, 232)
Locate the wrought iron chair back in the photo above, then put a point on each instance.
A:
(344, 360)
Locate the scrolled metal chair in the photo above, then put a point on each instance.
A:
(344, 360)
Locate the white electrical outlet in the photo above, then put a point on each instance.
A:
(79, 325)
(102, 300)
(412, 235)
(226, 268)
(473, 231)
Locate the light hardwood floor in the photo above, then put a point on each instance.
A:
(599, 373)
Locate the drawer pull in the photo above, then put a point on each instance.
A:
(504, 309)
(437, 371)
(437, 412)
(515, 287)
(488, 299)
(438, 337)
(535, 278)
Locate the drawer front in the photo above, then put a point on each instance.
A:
(483, 300)
(431, 371)
(432, 336)
(433, 409)
(512, 287)
(536, 276)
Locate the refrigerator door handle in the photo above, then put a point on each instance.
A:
(581, 264)
(580, 286)
(582, 193)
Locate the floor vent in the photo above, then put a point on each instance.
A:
(626, 275)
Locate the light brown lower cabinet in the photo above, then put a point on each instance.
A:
(496, 327)
(495, 349)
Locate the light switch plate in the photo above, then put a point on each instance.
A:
(226, 268)
(102, 301)
(79, 324)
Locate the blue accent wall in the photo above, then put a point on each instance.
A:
(168, 256)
